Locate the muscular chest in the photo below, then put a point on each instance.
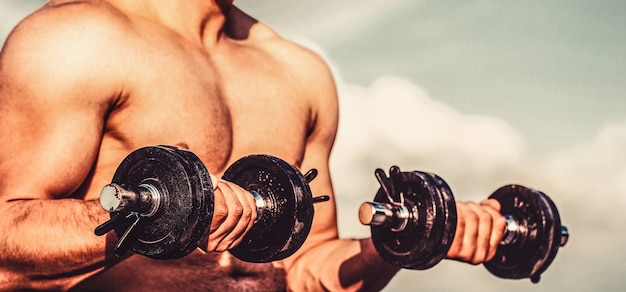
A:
(222, 108)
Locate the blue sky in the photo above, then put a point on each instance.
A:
(483, 93)
(551, 69)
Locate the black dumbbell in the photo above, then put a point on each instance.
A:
(161, 204)
(413, 221)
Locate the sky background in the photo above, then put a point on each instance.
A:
(483, 93)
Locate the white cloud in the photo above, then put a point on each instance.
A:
(591, 176)
(394, 122)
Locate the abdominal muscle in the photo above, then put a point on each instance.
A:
(198, 271)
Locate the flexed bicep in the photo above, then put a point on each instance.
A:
(52, 110)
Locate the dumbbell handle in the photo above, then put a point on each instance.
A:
(145, 201)
(397, 217)
(513, 228)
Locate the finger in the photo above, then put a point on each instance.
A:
(483, 233)
(241, 211)
(220, 209)
(465, 236)
(457, 241)
(214, 181)
(491, 203)
(498, 229)
(246, 220)
(230, 215)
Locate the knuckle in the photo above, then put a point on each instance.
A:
(247, 213)
(484, 217)
(478, 256)
(223, 245)
(235, 243)
(494, 204)
(237, 210)
(220, 211)
(219, 215)
(212, 246)
(499, 224)
(476, 261)
(465, 256)
(499, 221)
(460, 220)
(471, 216)
(471, 203)
(490, 256)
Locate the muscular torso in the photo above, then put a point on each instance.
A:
(222, 103)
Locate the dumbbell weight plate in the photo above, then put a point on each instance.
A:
(186, 201)
(538, 238)
(427, 237)
(285, 220)
(203, 199)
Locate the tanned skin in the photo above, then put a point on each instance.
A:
(84, 83)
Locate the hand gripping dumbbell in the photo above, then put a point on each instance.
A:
(413, 221)
(161, 204)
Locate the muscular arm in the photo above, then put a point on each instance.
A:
(52, 114)
(327, 262)
(47, 243)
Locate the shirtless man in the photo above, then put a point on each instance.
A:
(84, 83)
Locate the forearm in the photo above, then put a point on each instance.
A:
(50, 244)
(344, 264)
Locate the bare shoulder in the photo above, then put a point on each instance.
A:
(63, 40)
(297, 57)
(306, 69)
(61, 23)
(54, 94)
(314, 79)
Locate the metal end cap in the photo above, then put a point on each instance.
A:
(110, 199)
